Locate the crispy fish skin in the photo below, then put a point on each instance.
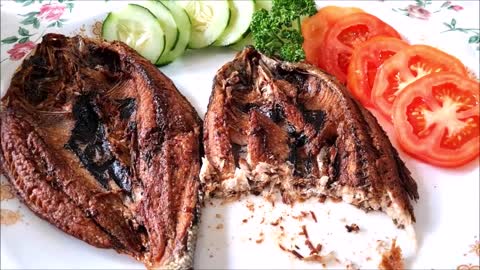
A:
(100, 143)
(336, 147)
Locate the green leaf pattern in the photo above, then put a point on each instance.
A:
(26, 2)
(70, 6)
(474, 32)
(23, 40)
(474, 39)
(23, 32)
(9, 40)
(31, 20)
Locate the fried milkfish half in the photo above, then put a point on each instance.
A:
(277, 126)
(97, 141)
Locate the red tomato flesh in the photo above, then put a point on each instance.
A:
(364, 63)
(348, 33)
(437, 119)
(315, 27)
(407, 66)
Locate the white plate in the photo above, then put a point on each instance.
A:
(447, 212)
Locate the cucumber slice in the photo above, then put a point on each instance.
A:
(209, 19)
(239, 45)
(138, 28)
(265, 4)
(241, 13)
(168, 25)
(247, 37)
(184, 31)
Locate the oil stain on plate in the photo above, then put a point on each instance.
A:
(9, 217)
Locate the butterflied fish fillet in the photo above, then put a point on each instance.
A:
(277, 126)
(97, 141)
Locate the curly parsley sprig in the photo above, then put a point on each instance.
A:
(274, 33)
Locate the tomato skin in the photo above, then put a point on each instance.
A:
(431, 146)
(315, 27)
(365, 61)
(348, 33)
(385, 86)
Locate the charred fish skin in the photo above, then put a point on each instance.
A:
(100, 143)
(290, 126)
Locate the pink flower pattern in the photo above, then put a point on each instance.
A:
(51, 12)
(418, 12)
(19, 50)
(422, 9)
(456, 7)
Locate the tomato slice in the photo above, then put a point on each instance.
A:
(437, 118)
(404, 68)
(346, 34)
(315, 27)
(366, 59)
